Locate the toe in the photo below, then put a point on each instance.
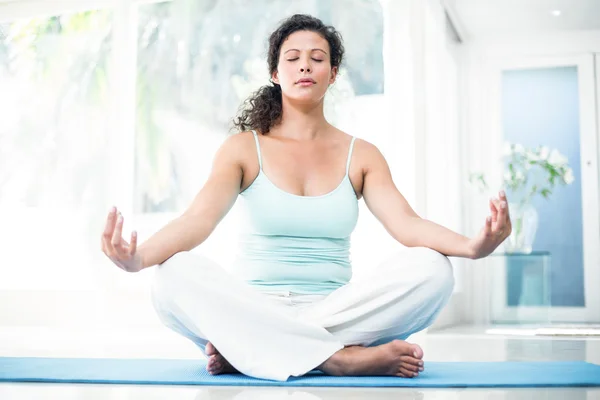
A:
(407, 373)
(217, 364)
(410, 367)
(412, 361)
(210, 349)
(417, 351)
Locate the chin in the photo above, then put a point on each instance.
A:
(306, 98)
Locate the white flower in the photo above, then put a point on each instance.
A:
(519, 149)
(520, 176)
(556, 159)
(531, 156)
(532, 163)
(569, 178)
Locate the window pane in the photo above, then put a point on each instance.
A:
(54, 101)
(199, 60)
(541, 108)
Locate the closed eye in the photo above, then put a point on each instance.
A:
(314, 59)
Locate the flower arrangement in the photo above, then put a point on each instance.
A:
(524, 165)
(528, 172)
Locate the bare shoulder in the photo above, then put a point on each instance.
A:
(367, 148)
(235, 148)
(237, 142)
(368, 156)
(362, 146)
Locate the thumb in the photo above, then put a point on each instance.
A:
(488, 226)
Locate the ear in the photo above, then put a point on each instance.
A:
(275, 77)
(333, 75)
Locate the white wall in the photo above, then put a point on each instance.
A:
(422, 88)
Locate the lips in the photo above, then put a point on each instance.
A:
(306, 81)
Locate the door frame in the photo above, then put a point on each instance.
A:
(589, 150)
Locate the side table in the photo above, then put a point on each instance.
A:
(520, 287)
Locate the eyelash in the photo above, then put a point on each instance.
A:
(294, 59)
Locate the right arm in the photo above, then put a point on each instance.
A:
(193, 227)
(208, 208)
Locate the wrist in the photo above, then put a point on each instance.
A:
(142, 257)
(470, 251)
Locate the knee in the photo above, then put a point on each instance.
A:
(170, 268)
(180, 271)
(168, 276)
(436, 270)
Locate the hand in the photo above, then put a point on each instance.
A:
(121, 253)
(497, 228)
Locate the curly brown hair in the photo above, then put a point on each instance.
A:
(262, 110)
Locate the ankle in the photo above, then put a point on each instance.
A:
(339, 364)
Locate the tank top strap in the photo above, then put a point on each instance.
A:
(257, 149)
(350, 155)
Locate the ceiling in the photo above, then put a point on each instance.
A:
(475, 18)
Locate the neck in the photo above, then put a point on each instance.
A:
(301, 121)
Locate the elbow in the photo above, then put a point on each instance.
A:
(195, 229)
(405, 231)
(409, 242)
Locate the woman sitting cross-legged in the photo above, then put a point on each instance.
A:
(288, 305)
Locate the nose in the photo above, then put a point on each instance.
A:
(305, 69)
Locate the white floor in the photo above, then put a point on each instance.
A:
(458, 344)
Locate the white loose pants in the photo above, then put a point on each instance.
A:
(275, 336)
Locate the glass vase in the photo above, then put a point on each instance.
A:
(524, 219)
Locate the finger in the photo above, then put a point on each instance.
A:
(109, 226)
(133, 244)
(508, 220)
(501, 217)
(502, 195)
(116, 237)
(503, 198)
(494, 207)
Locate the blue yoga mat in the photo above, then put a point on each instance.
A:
(192, 372)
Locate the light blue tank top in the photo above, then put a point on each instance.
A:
(298, 244)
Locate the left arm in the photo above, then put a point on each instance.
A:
(391, 208)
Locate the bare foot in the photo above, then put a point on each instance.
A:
(397, 358)
(217, 364)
